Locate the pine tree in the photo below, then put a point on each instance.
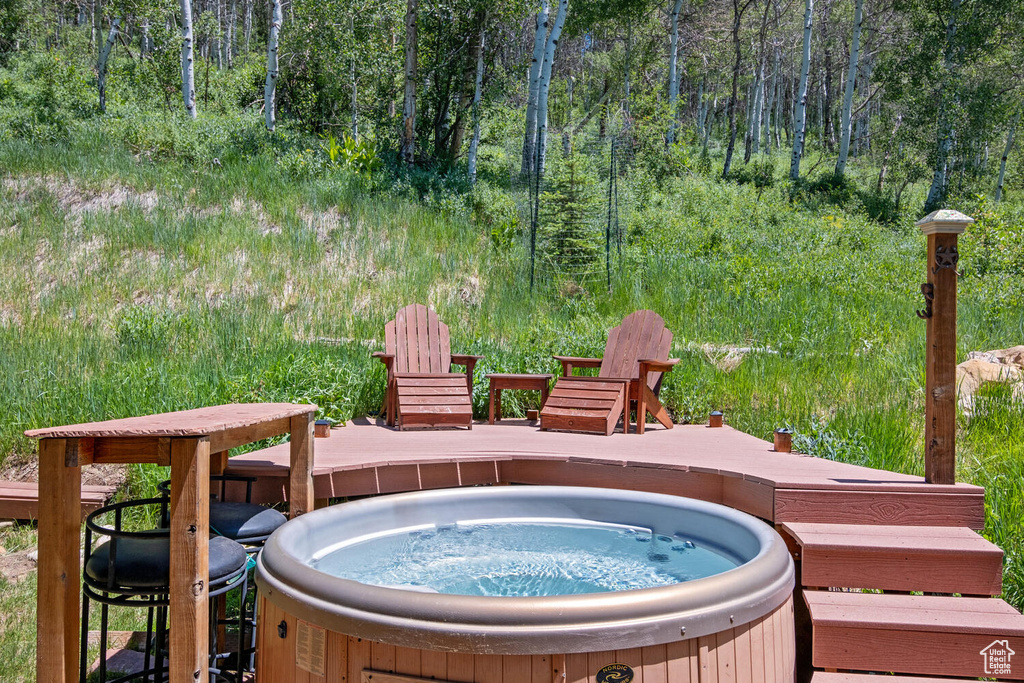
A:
(571, 240)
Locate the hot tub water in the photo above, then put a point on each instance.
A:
(522, 558)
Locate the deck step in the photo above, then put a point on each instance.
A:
(20, 499)
(840, 677)
(914, 634)
(932, 559)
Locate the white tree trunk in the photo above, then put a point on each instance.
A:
(673, 78)
(232, 20)
(769, 108)
(188, 77)
(758, 111)
(800, 115)
(625, 80)
(474, 143)
(530, 138)
(846, 125)
(101, 64)
(270, 88)
(944, 142)
(1006, 152)
(701, 108)
(861, 141)
(247, 23)
(779, 120)
(352, 79)
(143, 38)
(545, 83)
(219, 41)
(408, 150)
(97, 23)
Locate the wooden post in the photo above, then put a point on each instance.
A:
(59, 578)
(941, 228)
(300, 478)
(190, 560)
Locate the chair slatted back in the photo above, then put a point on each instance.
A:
(641, 336)
(418, 340)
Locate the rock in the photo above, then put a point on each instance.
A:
(981, 367)
(725, 358)
(1012, 356)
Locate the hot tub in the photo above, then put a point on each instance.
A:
(734, 622)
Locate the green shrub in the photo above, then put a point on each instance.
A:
(759, 173)
(835, 189)
(359, 156)
(144, 328)
(496, 210)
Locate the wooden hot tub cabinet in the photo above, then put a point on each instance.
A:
(762, 650)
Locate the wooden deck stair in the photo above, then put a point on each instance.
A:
(847, 677)
(912, 634)
(875, 632)
(898, 558)
(20, 499)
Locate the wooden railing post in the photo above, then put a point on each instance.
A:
(939, 312)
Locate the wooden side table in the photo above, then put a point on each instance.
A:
(195, 444)
(501, 381)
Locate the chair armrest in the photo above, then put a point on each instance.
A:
(464, 359)
(388, 359)
(470, 362)
(658, 365)
(570, 362)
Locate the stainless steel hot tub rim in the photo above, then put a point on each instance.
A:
(509, 625)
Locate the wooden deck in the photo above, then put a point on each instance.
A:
(848, 527)
(721, 465)
(20, 499)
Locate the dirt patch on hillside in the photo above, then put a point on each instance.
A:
(75, 200)
(16, 566)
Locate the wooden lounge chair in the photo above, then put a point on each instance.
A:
(422, 390)
(635, 359)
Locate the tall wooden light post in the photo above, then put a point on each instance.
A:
(942, 228)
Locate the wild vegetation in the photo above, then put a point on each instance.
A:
(160, 248)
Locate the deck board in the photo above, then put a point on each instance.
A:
(903, 558)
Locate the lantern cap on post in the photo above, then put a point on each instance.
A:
(944, 221)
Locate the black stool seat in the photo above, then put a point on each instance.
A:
(244, 521)
(145, 562)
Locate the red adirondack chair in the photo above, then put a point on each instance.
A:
(635, 359)
(422, 390)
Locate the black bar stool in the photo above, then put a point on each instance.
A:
(244, 522)
(132, 569)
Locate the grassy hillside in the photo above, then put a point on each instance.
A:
(227, 266)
